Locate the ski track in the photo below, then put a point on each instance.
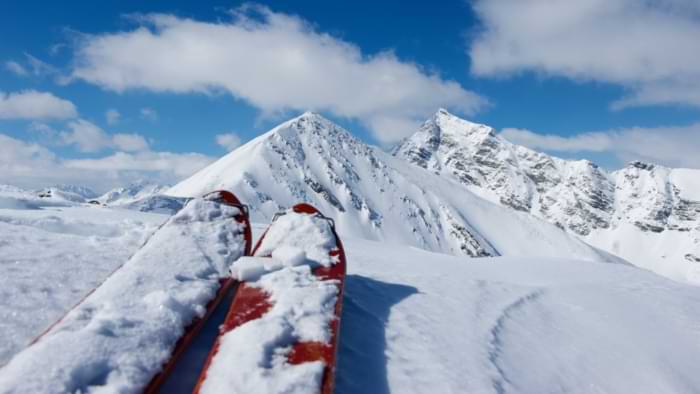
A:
(496, 342)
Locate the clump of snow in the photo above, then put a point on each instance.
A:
(120, 335)
(253, 357)
(310, 233)
(251, 268)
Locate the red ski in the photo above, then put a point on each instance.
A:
(225, 289)
(300, 247)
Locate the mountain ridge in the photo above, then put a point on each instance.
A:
(373, 195)
(576, 195)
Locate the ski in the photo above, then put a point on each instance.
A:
(281, 331)
(133, 327)
(225, 289)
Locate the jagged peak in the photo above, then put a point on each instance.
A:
(444, 122)
(309, 125)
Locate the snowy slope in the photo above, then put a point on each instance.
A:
(131, 193)
(373, 195)
(421, 322)
(644, 213)
(58, 196)
(51, 257)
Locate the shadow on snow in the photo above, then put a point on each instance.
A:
(362, 355)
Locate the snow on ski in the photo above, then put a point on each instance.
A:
(281, 332)
(126, 335)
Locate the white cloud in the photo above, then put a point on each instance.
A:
(228, 141)
(31, 104)
(670, 146)
(87, 136)
(112, 116)
(32, 166)
(130, 142)
(90, 138)
(649, 47)
(179, 165)
(149, 114)
(275, 62)
(16, 68)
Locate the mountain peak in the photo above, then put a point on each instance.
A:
(454, 125)
(310, 114)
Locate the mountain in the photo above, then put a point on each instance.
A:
(647, 214)
(134, 192)
(68, 193)
(374, 196)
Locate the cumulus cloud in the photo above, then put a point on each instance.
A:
(228, 141)
(112, 116)
(129, 142)
(649, 47)
(31, 165)
(90, 138)
(671, 146)
(275, 62)
(179, 165)
(31, 104)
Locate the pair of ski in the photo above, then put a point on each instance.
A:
(279, 334)
(250, 302)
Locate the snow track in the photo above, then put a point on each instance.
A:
(496, 333)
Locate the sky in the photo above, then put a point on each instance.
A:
(104, 93)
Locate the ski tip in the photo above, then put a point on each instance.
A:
(224, 196)
(305, 208)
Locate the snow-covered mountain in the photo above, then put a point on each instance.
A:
(134, 192)
(372, 195)
(647, 214)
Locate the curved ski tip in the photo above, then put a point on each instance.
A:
(305, 208)
(223, 196)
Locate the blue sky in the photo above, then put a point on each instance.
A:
(583, 79)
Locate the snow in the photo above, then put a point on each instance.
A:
(16, 203)
(132, 193)
(688, 181)
(253, 357)
(51, 257)
(312, 233)
(413, 321)
(120, 335)
(420, 322)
